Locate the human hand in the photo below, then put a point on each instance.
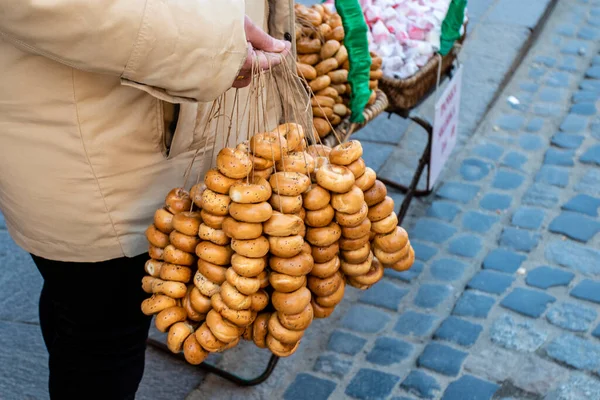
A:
(264, 52)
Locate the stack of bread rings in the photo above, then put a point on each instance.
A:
(275, 232)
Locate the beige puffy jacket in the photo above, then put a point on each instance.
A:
(85, 158)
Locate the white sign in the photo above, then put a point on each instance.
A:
(445, 126)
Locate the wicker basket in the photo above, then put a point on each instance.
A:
(404, 94)
(346, 128)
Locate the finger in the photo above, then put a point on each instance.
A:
(260, 40)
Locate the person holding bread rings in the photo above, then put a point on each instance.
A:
(102, 108)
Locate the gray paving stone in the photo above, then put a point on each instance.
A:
(465, 245)
(447, 269)
(24, 361)
(528, 217)
(503, 260)
(516, 335)
(388, 351)
(458, 331)
(546, 277)
(579, 386)
(376, 154)
(495, 201)
(309, 387)
(332, 364)
(384, 294)
(584, 204)
(471, 304)
(507, 180)
(591, 156)
(443, 210)
(478, 222)
(519, 239)
(575, 226)
(566, 30)
(585, 96)
(489, 150)
(473, 169)
(442, 358)
(535, 124)
(423, 251)
(384, 130)
(573, 317)
(491, 282)
(584, 108)
(413, 323)
(541, 195)
(345, 343)
(531, 303)
(365, 319)
(369, 384)
(575, 47)
(492, 363)
(536, 375)
(432, 231)
(576, 352)
(468, 387)
(423, 385)
(587, 33)
(529, 141)
(559, 157)
(567, 141)
(510, 122)
(587, 290)
(548, 61)
(406, 276)
(589, 183)
(574, 256)
(461, 192)
(514, 160)
(551, 175)
(596, 332)
(573, 123)
(552, 95)
(431, 295)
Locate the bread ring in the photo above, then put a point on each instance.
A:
(281, 333)
(178, 200)
(152, 267)
(246, 266)
(358, 168)
(357, 256)
(349, 202)
(324, 286)
(324, 236)
(156, 237)
(216, 236)
(156, 303)
(289, 183)
(156, 253)
(376, 194)
(316, 198)
(223, 330)
(214, 221)
(282, 225)
(354, 244)
(386, 225)
(262, 173)
(260, 300)
(233, 163)
(297, 322)
(393, 241)
(291, 303)
(213, 272)
(373, 276)
(193, 351)
(326, 269)
(293, 134)
(321, 312)
(205, 285)
(257, 190)
(254, 213)
(301, 214)
(366, 180)
(198, 301)
(357, 269)
(360, 230)
(214, 253)
(298, 161)
(334, 298)
(298, 265)
(187, 222)
(238, 318)
(287, 246)
(168, 317)
(184, 242)
(404, 263)
(233, 298)
(306, 248)
(323, 254)
(346, 153)
(260, 330)
(335, 178)
(391, 258)
(352, 219)
(245, 285)
(259, 163)
(263, 277)
(381, 210)
(269, 145)
(178, 333)
(280, 349)
(247, 335)
(217, 182)
(241, 230)
(320, 218)
(176, 273)
(215, 203)
(186, 303)
(147, 282)
(286, 204)
(207, 340)
(286, 283)
(319, 150)
(175, 256)
(196, 193)
(253, 248)
(163, 220)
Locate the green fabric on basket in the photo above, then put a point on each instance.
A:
(357, 44)
(451, 25)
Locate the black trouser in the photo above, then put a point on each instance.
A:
(93, 327)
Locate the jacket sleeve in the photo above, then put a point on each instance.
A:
(188, 50)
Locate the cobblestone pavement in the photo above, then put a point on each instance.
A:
(504, 300)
